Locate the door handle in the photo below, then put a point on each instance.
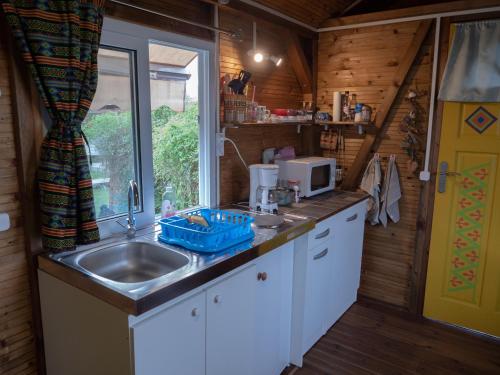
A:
(323, 234)
(352, 218)
(443, 173)
(321, 254)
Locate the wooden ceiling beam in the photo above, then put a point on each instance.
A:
(371, 140)
(421, 10)
(299, 64)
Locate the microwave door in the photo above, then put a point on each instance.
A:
(320, 177)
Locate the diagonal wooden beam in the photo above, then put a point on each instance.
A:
(299, 64)
(354, 173)
(351, 6)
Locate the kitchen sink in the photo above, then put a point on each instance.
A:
(132, 262)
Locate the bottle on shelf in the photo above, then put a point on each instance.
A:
(352, 106)
(346, 116)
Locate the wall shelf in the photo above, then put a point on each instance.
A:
(245, 125)
(344, 123)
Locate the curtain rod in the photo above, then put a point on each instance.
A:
(179, 19)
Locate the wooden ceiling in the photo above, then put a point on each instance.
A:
(315, 12)
(311, 12)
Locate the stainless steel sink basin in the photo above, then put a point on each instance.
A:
(132, 262)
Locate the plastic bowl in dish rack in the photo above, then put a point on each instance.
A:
(225, 230)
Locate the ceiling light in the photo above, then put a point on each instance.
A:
(258, 57)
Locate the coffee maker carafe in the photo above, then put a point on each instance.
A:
(263, 181)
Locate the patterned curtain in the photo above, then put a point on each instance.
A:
(59, 40)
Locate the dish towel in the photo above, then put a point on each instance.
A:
(371, 184)
(391, 193)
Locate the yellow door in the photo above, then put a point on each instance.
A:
(463, 278)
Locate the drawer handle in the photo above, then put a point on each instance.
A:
(321, 255)
(262, 276)
(323, 234)
(194, 312)
(217, 299)
(352, 218)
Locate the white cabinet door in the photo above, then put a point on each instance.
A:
(273, 310)
(173, 341)
(345, 270)
(316, 294)
(230, 340)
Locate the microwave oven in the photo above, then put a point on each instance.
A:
(316, 175)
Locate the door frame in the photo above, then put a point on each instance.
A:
(427, 194)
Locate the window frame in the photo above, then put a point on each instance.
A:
(128, 36)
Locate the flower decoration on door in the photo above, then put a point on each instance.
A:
(466, 240)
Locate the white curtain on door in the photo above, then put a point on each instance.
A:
(472, 72)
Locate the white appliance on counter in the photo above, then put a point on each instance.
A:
(315, 174)
(263, 180)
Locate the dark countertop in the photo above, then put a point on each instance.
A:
(323, 206)
(299, 219)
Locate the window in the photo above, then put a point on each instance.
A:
(176, 134)
(151, 121)
(111, 130)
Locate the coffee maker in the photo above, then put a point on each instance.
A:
(263, 181)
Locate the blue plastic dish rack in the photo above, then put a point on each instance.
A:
(225, 229)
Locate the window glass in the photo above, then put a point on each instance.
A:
(174, 114)
(110, 128)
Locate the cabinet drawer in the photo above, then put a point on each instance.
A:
(352, 215)
(320, 234)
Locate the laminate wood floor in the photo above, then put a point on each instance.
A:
(370, 339)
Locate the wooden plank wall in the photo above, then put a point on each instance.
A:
(276, 87)
(17, 351)
(363, 61)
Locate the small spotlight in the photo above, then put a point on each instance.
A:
(258, 57)
(276, 60)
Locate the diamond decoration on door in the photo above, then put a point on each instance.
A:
(480, 120)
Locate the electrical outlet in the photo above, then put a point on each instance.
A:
(219, 143)
(425, 176)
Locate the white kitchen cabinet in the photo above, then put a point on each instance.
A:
(316, 292)
(230, 335)
(326, 277)
(273, 311)
(345, 269)
(172, 341)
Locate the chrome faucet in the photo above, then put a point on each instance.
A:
(133, 204)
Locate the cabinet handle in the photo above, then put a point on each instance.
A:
(262, 276)
(194, 312)
(321, 255)
(217, 299)
(352, 218)
(323, 234)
